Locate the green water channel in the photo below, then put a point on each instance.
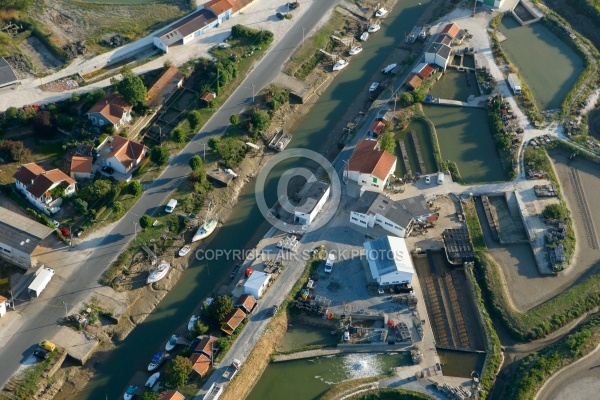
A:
(299, 336)
(460, 363)
(453, 85)
(246, 224)
(547, 64)
(464, 137)
(310, 378)
(424, 138)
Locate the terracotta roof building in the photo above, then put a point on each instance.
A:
(200, 364)
(444, 39)
(125, 154)
(219, 6)
(112, 110)
(238, 5)
(424, 70)
(232, 321)
(370, 167)
(247, 303)
(172, 395)
(206, 346)
(39, 185)
(81, 167)
(412, 82)
(451, 30)
(164, 87)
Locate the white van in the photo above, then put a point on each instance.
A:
(440, 178)
(171, 206)
(329, 263)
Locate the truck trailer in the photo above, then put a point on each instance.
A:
(232, 370)
(41, 281)
(515, 83)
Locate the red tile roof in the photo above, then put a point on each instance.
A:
(111, 106)
(376, 127)
(28, 172)
(206, 345)
(239, 4)
(172, 395)
(208, 96)
(2, 299)
(447, 40)
(81, 164)
(368, 160)
(200, 363)
(233, 321)
(171, 75)
(426, 71)
(247, 301)
(43, 180)
(413, 81)
(451, 30)
(219, 6)
(125, 150)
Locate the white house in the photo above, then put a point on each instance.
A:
(19, 237)
(44, 189)
(124, 155)
(438, 54)
(185, 30)
(389, 261)
(257, 283)
(311, 203)
(3, 305)
(370, 167)
(396, 217)
(111, 110)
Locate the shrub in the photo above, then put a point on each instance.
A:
(194, 119)
(135, 188)
(221, 308)
(196, 163)
(145, 221)
(160, 155)
(178, 135)
(234, 119)
(178, 371)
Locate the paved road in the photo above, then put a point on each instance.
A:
(40, 317)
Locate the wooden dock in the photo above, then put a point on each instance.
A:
(405, 157)
(413, 134)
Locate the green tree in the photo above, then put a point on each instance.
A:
(199, 329)
(81, 205)
(95, 191)
(132, 88)
(178, 372)
(260, 120)
(406, 99)
(135, 188)
(231, 151)
(178, 135)
(213, 143)
(196, 163)
(223, 344)
(11, 113)
(160, 155)
(150, 395)
(234, 119)
(554, 211)
(117, 207)
(146, 221)
(221, 308)
(194, 119)
(419, 96)
(387, 142)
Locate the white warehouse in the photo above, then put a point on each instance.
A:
(311, 203)
(389, 261)
(19, 237)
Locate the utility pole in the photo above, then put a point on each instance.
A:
(474, 6)
(204, 151)
(66, 312)
(218, 76)
(253, 92)
(71, 236)
(303, 36)
(160, 134)
(134, 229)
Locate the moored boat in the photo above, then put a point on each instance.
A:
(340, 65)
(364, 36)
(373, 28)
(184, 250)
(156, 361)
(171, 343)
(152, 380)
(130, 392)
(381, 12)
(159, 273)
(192, 322)
(206, 229)
(355, 50)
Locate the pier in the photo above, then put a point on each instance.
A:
(413, 134)
(405, 157)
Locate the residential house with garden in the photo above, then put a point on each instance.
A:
(370, 167)
(111, 110)
(123, 155)
(44, 189)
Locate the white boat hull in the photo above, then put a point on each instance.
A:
(364, 36)
(192, 322)
(205, 230)
(355, 51)
(159, 273)
(184, 250)
(152, 380)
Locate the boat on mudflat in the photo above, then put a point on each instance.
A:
(206, 229)
(152, 380)
(156, 361)
(340, 65)
(355, 50)
(364, 36)
(159, 273)
(184, 250)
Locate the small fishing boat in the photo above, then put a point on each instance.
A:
(206, 229)
(184, 250)
(340, 65)
(156, 361)
(373, 28)
(381, 12)
(192, 322)
(355, 50)
(364, 36)
(130, 392)
(152, 380)
(159, 273)
(171, 343)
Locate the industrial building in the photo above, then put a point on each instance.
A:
(389, 261)
(311, 203)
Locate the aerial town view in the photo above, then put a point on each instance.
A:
(299, 199)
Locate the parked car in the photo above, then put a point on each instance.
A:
(65, 231)
(293, 4)
(41, 354)
(107, 169)
(280, 15)
(428, 179)
(273, 310)
(47, 345)
(55, 223)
